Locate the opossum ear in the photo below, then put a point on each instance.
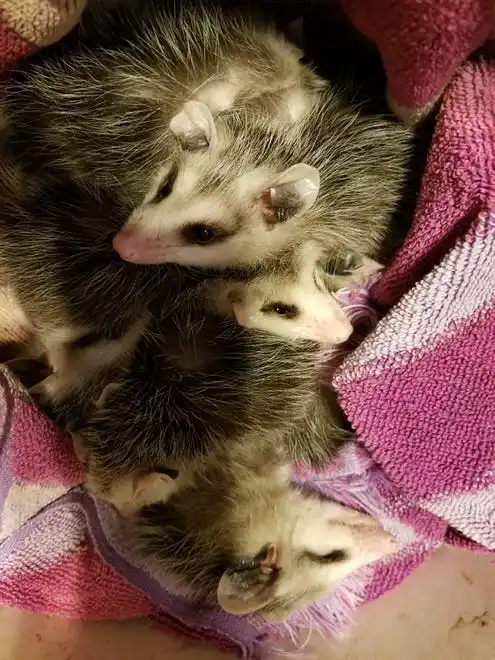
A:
(293, 191)
(365, 269)
(106, 392)
(250, 584)
(153, 487)
(135, 491)
(194, 126)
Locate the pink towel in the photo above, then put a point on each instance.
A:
(420, 389)
(59, 550)
(422, 43)
(29, 24)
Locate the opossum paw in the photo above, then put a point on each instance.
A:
(132, 492)
(49, 391)
(80, 448)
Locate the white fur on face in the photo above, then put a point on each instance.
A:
(240, 214)
(318, 543)
(317, 314)
(319, 318)
(155, 234)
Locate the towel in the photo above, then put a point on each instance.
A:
(26, 25)
(419, 390)
(59, 547)
(422, 44)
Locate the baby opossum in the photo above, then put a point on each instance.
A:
(86, 307)
(109, 105)
(333, 177)
(241, 535)
(199, 381)
(315, 180)
(88, 126)
(230, 148)
(293, 296)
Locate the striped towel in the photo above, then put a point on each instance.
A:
(422, 43)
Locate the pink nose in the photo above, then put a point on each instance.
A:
(126, 243)
(332, 330)
(342, 332)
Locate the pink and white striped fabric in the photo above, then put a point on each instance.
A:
(421, 390)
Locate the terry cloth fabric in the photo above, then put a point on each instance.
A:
(422, 44)
(59, 550)
(26, 25)
(421, 390)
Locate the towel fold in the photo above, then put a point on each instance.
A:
(26, 25)
(422, 44)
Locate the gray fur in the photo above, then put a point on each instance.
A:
(99, 107)
(199, 382)
(55, 247)
(93, 118)
(240, 502)
(192, 536)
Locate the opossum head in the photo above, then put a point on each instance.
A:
(292, 300)
(247, 185)
(225, 201)
(294, 552)
(243, 536)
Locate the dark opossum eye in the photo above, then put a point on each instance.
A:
(166, 186)
(333, 557)
(163, 192)
(200, 234)
(281, 309)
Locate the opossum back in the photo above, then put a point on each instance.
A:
(198, 382)
(363, 163)
(56, 243)
(98, 106)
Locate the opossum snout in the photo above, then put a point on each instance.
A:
(340, 331)
(138, 247)
(125, 244)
